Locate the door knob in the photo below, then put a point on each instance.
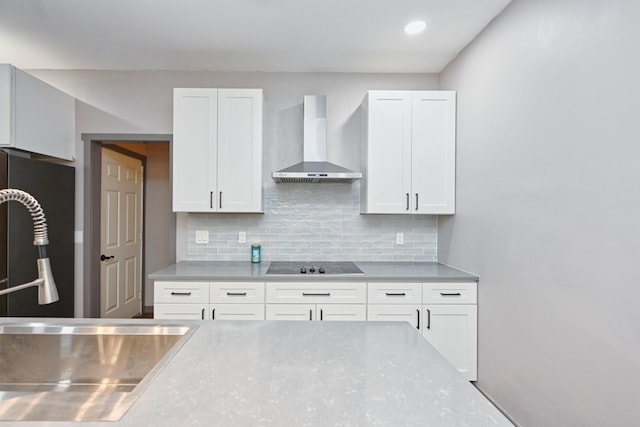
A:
(104, 257)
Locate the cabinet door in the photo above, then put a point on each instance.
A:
(341, 312)
(194, 157)
(181, 311)
(291, 312)
(433, 150)
(35, 116)
(239, 150)
(395, 313)
(237, 311)
(452, 330)
(388, 152)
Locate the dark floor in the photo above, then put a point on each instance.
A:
(144, 316)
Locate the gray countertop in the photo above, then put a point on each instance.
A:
(373, 271)
(279, 373)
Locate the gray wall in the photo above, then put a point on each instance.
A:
(160, 223)
(141, 102)
(548, 208)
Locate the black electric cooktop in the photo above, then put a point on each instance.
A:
(313, 267)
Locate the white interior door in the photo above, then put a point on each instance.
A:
(120, 235)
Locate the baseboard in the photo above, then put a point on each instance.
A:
(498, 407)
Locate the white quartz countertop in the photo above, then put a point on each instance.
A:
(373, 271)
(279, 373)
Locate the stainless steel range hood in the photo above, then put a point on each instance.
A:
(314, 167)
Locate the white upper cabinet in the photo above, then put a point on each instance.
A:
(217, 150)
(35, 116)
(409, 152)
(239, 150)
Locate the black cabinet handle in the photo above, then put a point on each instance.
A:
(395, 294)
(310, 294)
(310, 314)
(213, 314)
(221, 200)
(416, 201)
(103, 257)
(211, 199)
(181, 293)
(320, 314)
(237, 294)
(407, 201)
(418, 327)
(428, 319)
(203, 314)
(450, 294)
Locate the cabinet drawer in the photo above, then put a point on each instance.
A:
(237, 292)
(450, 293)
(181, 292)
(314, 293)
(394, 293)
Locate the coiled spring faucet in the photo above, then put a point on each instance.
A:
(47, 292)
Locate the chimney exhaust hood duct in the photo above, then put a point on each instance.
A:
(314, 168)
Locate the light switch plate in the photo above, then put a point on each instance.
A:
(202, 237)
(242, 237)
(400, 238)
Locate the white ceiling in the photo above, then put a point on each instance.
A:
(239, 35)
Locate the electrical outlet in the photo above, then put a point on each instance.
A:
(202, 237)
(242, 237)
(400, 238)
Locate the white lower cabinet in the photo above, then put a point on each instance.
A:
(316, 301)
(453, 331)
(181, 300)
(192, 300)
(237, 300)
(445, 313)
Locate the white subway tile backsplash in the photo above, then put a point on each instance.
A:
(314, 222)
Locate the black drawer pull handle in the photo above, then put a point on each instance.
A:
(203, 314)
(181, 293)
(213, 314)
(395, 294)
(428, 319)
(450, 294)
(418, 327)
(307, 294)
(237, 294)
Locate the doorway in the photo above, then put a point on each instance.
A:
(159, 221)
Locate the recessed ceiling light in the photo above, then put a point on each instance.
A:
(415, 27)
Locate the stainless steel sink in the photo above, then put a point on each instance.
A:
(80, 372)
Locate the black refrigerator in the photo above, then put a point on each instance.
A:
(53, 186)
